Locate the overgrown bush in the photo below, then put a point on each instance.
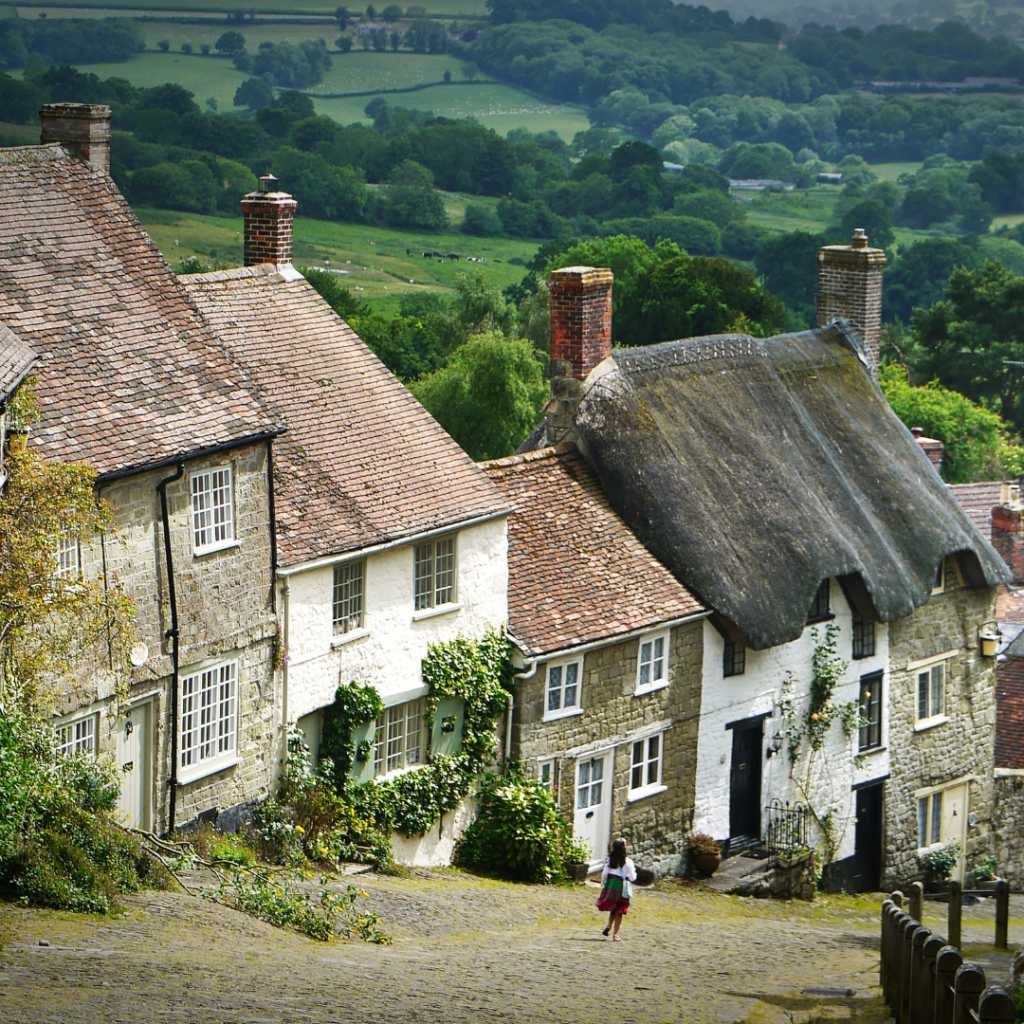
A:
(518, 834)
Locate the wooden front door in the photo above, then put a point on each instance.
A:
(745, 785)
(135, 766)
(867, 871)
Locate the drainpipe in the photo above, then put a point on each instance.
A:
(285, 580)
(172, 635)
(512, 703)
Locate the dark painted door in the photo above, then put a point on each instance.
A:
(745, 785)
(868, 839)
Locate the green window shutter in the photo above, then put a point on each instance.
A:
(447, 733)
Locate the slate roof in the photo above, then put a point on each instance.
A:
(363, 462)
(16, 359)
(756, 468)
(576, 572)
(128, 372)
(977, 500)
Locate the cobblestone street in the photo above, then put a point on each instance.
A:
(465, 950)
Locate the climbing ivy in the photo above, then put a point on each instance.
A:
(354, 705)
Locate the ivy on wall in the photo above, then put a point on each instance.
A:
(478, 672)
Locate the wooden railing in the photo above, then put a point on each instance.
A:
(925, 979)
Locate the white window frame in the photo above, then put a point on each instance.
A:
(562, 668)
(67, 555)
(393, 731)
(653, 660)
(439, 595)
(546, 774)
(350, 621)
(646, 753)
(937, 672)
(208, 719)
(927, 797)
(77, 736)
(213, 520)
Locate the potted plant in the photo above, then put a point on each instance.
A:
(985, 873)
(939, 863)
(575, 858)
(706, 852)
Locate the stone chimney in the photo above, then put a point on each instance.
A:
(81, 128)
(268, 224)
(850, 288)
(933, 448)
(581, 336)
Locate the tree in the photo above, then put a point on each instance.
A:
(342, 16)
(186, 47)
(971, 433)
(971, 340)
(231, 42)
(920, 272)
(391, 14)
(254, 93)
(470, 71)
(788, 265)
(163, 45)
(873, 218)
(409, 200)
(488, 396)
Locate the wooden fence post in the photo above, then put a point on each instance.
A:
(883, 945)
(996, 1006)
(932, 948)
(956, 907)
(969, 985)
(916, 908)
(897, 898)
(919, 1006)
(1002, 914)
(907, 928)
(947, 963)
(896, 963)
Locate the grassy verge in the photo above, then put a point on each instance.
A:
(373, 261)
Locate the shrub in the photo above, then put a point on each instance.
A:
(940, 863)
(519, 834)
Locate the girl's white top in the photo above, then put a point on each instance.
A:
(627, 873)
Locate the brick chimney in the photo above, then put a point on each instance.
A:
(933, 448)
(581, 336)
(1008, 530)
(850, 288)
(81, 128)
(268, 224)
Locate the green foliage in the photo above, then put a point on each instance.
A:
(972, 435)
(940, 863)
(276, 899)
(488, 396)
(408, 199)
(354, 705)
(920, 273)
(518, 834)
(986, 868)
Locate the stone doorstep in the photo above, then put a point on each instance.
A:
(732, 870)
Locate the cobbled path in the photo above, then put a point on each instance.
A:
(466, 951)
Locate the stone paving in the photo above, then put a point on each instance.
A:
(465, 950)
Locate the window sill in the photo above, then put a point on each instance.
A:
(347, 638)
(212, 548)
(820, 618)
(642, 794)
(553, 716)
(441, 609)
(930, 723)
(642, 691)
(211, 767)
(871, 751)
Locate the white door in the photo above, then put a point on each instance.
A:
(134, 763)
(954, 823)
(594, 802)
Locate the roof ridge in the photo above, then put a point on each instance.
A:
(266, 270)
(49, 152)
(552, 451)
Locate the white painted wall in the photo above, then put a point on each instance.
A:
(389, 652)
(434, 848)
(758, 691)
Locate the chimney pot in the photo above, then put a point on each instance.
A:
(81, 128)
(917, 431)
(860, 239)
(267, 183)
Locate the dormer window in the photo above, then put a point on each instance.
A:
(819, 606)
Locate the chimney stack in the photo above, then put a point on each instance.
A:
(932, 447)
(81, 128)
(581, 336)
(850, 288)
(268, 224)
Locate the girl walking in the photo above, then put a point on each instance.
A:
(618, 872)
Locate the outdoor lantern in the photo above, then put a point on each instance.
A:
(988, 639)
(775, 744)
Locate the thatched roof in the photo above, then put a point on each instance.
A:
(756, 468)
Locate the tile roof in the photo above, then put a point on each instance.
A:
(128, 374)
(16, 359)
(576, 572)
(977, 501)
(363, 462)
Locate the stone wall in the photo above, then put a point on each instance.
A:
(225, 609)
(654, 826)
(1008, 824)
(960, 748)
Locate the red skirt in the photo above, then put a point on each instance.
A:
(612, 899)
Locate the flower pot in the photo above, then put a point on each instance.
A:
(989, 885)
(576, 871)
(707, 863)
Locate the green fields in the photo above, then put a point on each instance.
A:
(373, 261)
(263, 8)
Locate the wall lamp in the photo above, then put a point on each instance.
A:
(988, 638)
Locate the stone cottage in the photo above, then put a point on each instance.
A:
(388, 537)
(607, 701)
(771, 478)
(132, 381)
